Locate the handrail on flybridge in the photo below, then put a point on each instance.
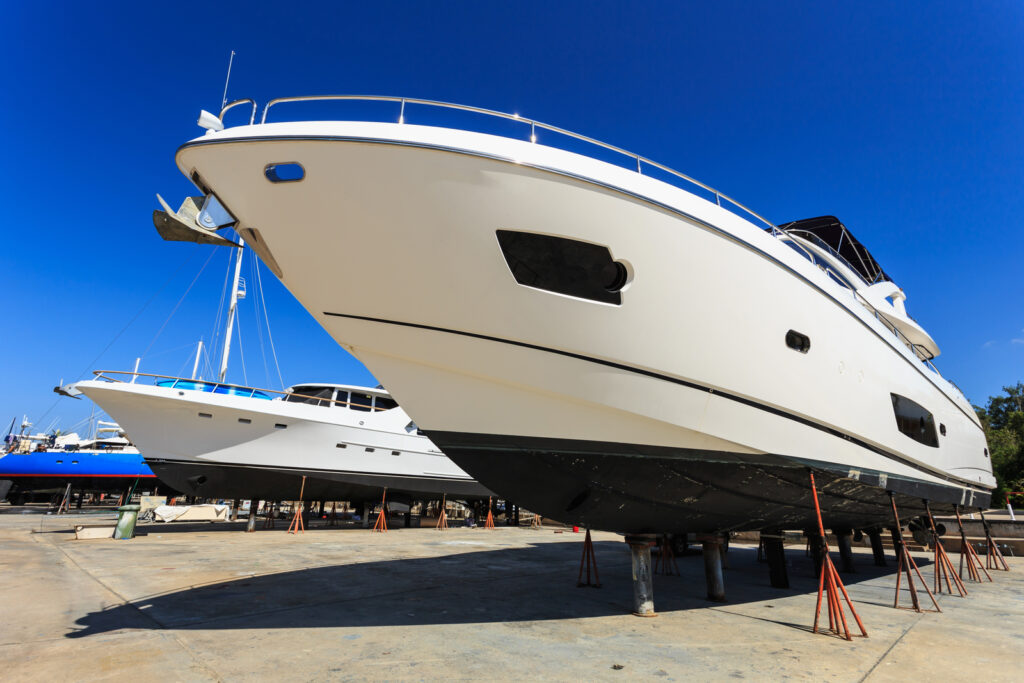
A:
(534, 125)
(105, 375)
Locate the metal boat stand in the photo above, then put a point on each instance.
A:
(643, 583)
(590, 560)
(906, 562)
(442, 519)
(489, 522)
(943, 567)
(268, 523)
(775, 554)
(381, 525)
(712, 547)
(666, 562)
(993, 556)
(875, 535)
(967, 552)
(254, 505)
(830, 585)
(297, 526)
(844, 539)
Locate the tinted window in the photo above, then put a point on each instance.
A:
(312, 395)
(564, 266)
(384, 403)
(360, 401)
(341, 399)
(914, 421)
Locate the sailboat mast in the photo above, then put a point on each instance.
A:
(199, 351)
(231, 312)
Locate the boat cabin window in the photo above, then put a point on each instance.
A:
(913, 420)
(384, 403)
(317, 396)
(360, 401)
(564, 266)
(341, 400)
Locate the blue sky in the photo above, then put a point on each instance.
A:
(904, 121)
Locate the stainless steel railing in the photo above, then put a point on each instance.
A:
(209, 386)
(403, 102)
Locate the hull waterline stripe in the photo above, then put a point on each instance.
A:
(614, 188)
(674, 380)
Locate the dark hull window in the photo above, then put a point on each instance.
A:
(361, 402)
(914, 421)
(317, 396)
(564, 266)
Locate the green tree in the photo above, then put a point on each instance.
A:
(1003, 419)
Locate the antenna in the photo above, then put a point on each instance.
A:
(224, 100)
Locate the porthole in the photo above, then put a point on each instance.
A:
(245, 420)
(942, 429)
(60, 462)
(798, 342)
(74, 462)
(986, 452)
(280, 426)
(206, 415)
(288, 172)
(370, 450)
(395, 453)
(341, 445)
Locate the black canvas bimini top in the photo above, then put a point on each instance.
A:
(830, 232)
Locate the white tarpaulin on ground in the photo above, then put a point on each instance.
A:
(192, 513)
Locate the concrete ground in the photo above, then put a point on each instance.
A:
(208, 602)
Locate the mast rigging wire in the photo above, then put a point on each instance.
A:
(259, 283)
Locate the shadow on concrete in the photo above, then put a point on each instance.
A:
(510, 586)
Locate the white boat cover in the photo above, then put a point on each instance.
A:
(192, 513)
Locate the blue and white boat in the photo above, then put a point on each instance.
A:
(47, 464)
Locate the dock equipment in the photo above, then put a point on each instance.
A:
(590, 560)
(906, 562)
(844, 538)
(712, 546)
(943, 567)
(967, 552)
(489, 523)
(643, 583)
(666, 562)
(442, 519)
(993, 556)
(254, 505)
(775, 553)
(875, 535)
(271, 510)
(831, 585)
(381, 525)
(297, 525)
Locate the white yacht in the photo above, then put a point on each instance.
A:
(213, 439)
(594, 335)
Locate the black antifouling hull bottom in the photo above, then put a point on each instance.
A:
(647, 489)
(219, 480)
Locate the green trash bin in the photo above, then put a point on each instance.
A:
(127, 515)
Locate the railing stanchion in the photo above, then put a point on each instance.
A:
(401, 112)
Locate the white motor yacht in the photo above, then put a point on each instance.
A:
(219, 440)
(595, 335)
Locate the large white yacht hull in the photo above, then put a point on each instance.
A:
(681, 408)
(218, 445)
